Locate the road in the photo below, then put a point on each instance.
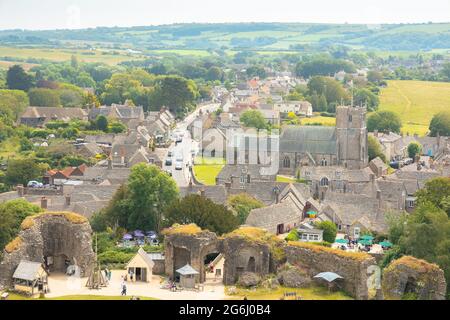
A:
(183, 150)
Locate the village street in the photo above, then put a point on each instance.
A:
(184, 148)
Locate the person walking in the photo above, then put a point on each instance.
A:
(124, 290)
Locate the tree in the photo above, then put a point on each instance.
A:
(214, 73)
(149, 192)
(333, 90)
(123, 86)
(42, 97)
(374, 76)
(364, 97)
(445, 72)
(13, 103)
(440, 124)
(256, 71)
(203, 212)
(176, 93)
(101, 123)
(254, 119)
(424, 235)
(374, 149)
(242, 204)
(323, 67)
(20, 171)
(12, 213)
(18, 79)
(329, 230)
(437, 192)
(414, 148)
(384, 121)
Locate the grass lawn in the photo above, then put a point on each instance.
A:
(416, 102)
(207, 169)
(324, 121)
(286, 179)
(313, 293)
(14, 296)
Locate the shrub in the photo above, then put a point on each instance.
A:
(292, 236)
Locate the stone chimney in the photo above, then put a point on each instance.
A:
(44, 203)
(20, 190)
(68, 198)
(380, 171)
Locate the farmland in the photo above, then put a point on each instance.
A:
(416, 102)
(58, 55)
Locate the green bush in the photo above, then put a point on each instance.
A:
(115, 256)
(293, 235)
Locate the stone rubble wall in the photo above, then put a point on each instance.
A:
(50, 235)
(354, 271)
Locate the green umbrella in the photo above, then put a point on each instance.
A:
(385, 244)
(365, 242)
(341, 241)
(366, 237)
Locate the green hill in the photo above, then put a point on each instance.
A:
(416, 102)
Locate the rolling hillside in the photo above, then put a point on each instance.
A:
(416, 102)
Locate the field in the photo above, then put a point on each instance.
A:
(324, 121)
(13, 296)
(416, 102)
(207, 169)
(313, 293)
(58, 55)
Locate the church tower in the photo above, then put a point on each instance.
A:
(351, 133)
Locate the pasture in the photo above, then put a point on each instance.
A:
(416, 102)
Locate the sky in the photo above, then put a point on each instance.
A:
(76, 14)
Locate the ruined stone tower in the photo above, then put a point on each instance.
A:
(351, 133)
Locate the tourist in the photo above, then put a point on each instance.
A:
(124, 290)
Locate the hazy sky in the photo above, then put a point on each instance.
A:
(57, 14)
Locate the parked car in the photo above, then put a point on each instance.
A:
(170, 154)
(408, 161)
(34, 184)
(179, 165)
(168, 162)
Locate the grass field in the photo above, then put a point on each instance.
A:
(59, 55)
(313, 293)
(13, 296)
(207, 169)
(416, 102)
(325, 121)
(286, 179)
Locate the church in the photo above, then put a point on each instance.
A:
(344, 145)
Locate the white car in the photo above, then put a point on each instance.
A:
(179, 165)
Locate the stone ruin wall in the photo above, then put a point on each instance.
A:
(50, 235)
(238, 252)
(354, 271)
(419, 277)
(180, 249)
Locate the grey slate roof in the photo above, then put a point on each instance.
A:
(187, 270)
(314, 139)
(27, 270)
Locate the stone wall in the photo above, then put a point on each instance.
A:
(188, 248)
(243, 256)
(418, 278)
(316, 259)
(59, 235)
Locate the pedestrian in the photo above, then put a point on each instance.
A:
(124, 290)
(109, 275)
